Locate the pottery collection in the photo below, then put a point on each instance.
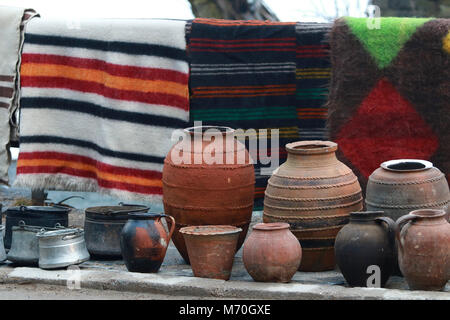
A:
(313, 219)
(144, 241)
(367, 240)
(424, 249)
(197, 192)
(271, 253)
(314, 192)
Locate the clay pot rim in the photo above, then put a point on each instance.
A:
(366, 214)
(210, 230)
(200, 130)
(429, 213)
(311, 147)
(421, 165)
(271, 226)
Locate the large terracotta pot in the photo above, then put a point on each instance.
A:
(314, 192)
(271, 253)
(144, 241)
(400, 186)
(367, 240)
(211, 250)
(198, 192)
(424, 249)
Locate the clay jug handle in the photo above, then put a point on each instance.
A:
(400, 224)
(391, 227)
(172, 226)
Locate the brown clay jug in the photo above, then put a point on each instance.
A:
(144, 241)
(423, 238)
(271, 253)
(199, 191)
(314, 192)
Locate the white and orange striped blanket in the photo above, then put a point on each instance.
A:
(100, 100)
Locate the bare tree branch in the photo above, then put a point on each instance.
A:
(232, 9)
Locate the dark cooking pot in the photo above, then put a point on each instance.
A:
(102, 228)
(39, 216)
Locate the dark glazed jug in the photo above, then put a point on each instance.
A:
(367, 240)
(423, 238)
(144, 241)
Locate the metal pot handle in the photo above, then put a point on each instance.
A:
(72, 236)
(400, 224)
(172, 227)
(391, 228)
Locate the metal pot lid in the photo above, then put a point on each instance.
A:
(60, 232)
(38, 209)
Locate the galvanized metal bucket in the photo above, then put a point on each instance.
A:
(24, 245)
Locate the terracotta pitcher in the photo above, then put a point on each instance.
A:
(424, 249)
(144, 241)
(367, 240)
(198, 190)
(271, 253)
(314, 192)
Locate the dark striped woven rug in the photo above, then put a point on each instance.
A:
(260, 75)
(313, 75)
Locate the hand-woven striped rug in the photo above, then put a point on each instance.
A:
(100, 100)
(261, 75)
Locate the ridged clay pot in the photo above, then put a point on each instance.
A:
(314, 192)
(197, 191)
(401, 186)
(211, 249)
(424, 249)
(271, 253)
(367, 240)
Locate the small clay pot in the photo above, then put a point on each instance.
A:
(211, 249)
(272, 253)
(144, 241)
(367, 240)
(423, 238)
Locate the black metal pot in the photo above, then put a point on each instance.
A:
(102, 228)
(40, 216)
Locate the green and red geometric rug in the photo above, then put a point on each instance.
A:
(390, 92)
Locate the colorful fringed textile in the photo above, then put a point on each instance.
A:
(313, 77)
(100, 100)
(12, 24)
(390, 91)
